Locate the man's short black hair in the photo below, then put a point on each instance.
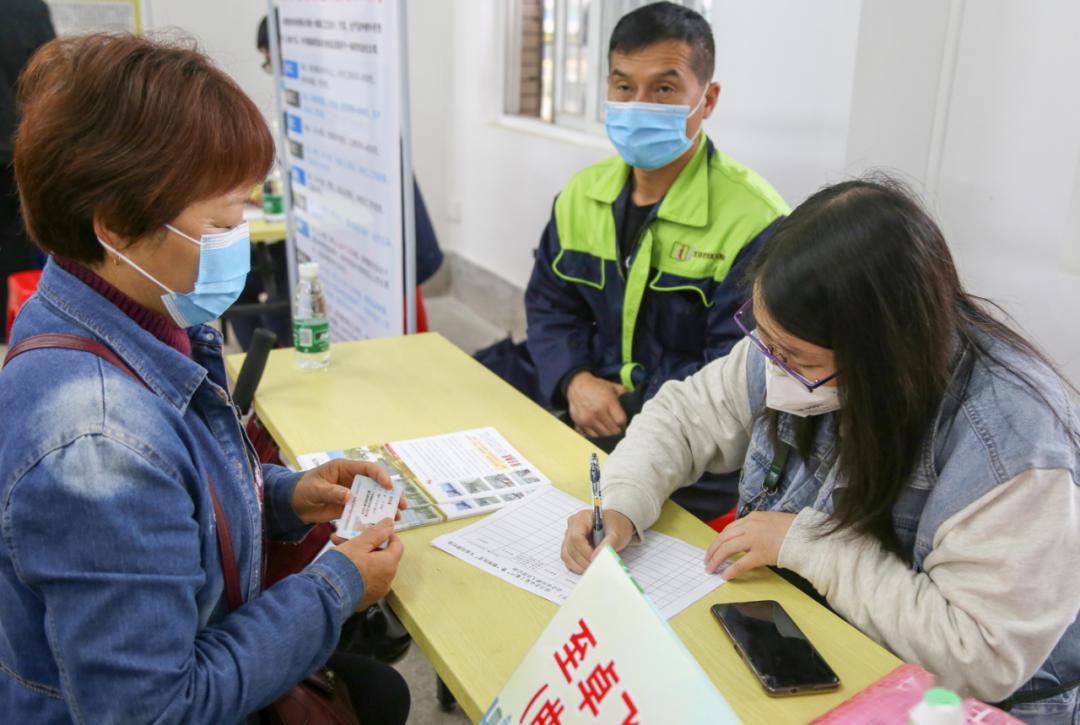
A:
(262, 37)
(658, 22)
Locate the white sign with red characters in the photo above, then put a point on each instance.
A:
(608, 656)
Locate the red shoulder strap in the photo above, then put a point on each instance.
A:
(71, 342)
(76, 342)
(228, 555)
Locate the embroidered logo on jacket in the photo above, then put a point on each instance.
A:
(683, 252)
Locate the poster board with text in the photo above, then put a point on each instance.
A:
(342, 96)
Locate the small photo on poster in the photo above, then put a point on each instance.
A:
(475, 485)
(525, 477)
(449, 490)
(500, 480)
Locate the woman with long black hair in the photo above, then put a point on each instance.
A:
(909, 454)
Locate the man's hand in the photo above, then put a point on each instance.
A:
(759, 536)
(577, 549)
(322, 492)
(377, 566)
(594, 405)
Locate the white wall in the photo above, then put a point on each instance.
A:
(783, 116)
(225, 30)
(898, 72)
(976, 102)
(500, 182)
(430, 71)
(973, 102)
(1009, 166)
(786, 70)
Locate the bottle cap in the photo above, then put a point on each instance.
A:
(309, 270)
(940, 697)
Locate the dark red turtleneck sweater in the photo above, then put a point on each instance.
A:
(158, 325)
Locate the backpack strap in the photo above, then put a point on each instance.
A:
(77, 342)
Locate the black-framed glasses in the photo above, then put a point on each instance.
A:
(744, 318)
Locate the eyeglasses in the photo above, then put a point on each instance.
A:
(744, 318)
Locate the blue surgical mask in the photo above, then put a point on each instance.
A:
(649, 135)
(224, 263)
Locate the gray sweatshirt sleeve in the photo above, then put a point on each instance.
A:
(998, 591)
(692, 425)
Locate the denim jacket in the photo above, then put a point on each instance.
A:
(112, 606)
(987, 432)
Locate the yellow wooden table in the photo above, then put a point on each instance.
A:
(266, 232)
(474, 628)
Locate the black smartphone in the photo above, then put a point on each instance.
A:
(775, 648)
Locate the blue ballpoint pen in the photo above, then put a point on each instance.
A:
(598, 519)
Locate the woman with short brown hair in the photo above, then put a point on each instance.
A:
(121, 470)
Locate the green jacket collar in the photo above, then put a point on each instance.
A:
(687, 202)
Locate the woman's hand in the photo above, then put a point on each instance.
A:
(758, 536)
(377, 566)
(577, 548)
(322, 492)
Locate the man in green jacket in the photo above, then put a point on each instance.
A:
(637, 277)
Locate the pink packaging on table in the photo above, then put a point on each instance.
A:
(889, 700)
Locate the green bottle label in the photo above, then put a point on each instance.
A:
(311, 336)
(273, 204)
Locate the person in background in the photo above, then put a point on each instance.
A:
(26, 28)
(636, 276)
(115, 487)
(911, 456)
(429, 256)
(262, 44)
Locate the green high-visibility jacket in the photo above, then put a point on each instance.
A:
(669, 309)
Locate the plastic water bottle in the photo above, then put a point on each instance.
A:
(273, 199)
(274, 195)
(938, 707)
(311, 329)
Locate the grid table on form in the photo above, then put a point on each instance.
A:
(521, 545)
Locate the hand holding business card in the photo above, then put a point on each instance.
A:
(368, 504)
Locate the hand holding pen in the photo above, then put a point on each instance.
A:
(598, 517)
(589, 530)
